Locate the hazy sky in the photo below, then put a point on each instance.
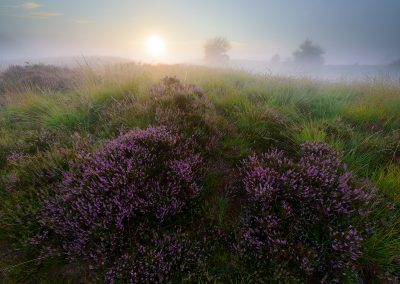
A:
(364, 31)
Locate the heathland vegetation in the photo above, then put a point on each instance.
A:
(170, 174)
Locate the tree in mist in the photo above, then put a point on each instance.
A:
(215, 50)
(309, 54)
(275, 60)
(395, 64)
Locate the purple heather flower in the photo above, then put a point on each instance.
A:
(300, 211)
(109, 198)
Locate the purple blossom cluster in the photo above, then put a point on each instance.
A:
(14, 157)
(175, 256)
(108, 199)
(152, 263)
(301, 212)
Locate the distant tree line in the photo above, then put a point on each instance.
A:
(308, 54)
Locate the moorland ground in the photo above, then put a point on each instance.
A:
(65, 126)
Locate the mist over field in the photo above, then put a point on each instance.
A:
(171, 141)
(358, 39)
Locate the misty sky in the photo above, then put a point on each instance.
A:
(363, 31)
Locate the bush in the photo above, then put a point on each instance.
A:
(25, 176)
(187, 109)
(174, 257)
(109, 199)
(302, 213)
(38, 76)
(151, 264)
(171, 86)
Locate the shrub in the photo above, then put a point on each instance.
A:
(187, 109)
(302, 213)
(110, 198)
(39, 163)
(173, 257)
(153, 263)
(171, 86)
(38, 76)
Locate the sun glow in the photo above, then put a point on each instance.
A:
(155, 46)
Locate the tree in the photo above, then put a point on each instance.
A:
(309, 54)
(395, 64)
(275, 60)
(215, 50)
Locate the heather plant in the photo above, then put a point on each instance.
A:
(38, 77)
(108, 199)
(187, 109)
(151, 263)
(19, 143)
(27, 174)
(301, 214)
(172, 86)
(171, 257)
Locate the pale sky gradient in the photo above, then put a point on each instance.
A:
(364, 31)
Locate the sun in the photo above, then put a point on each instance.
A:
(155, 46)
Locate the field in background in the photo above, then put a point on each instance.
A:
(40, 123)
(333, 73)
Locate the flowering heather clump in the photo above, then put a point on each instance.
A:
(37, 76)
(167, 258)
(301, 213)
(134, 184)
(185, 107)
(171, 86)
(153, 263)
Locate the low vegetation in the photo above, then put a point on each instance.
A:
(38, 77)
(183, 174)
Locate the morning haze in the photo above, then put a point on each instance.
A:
(358, 31)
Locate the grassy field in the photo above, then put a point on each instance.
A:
(234, 115)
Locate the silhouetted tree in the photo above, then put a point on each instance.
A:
(309, 54)
(395, 64)
(276, 59)
(215, 50)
